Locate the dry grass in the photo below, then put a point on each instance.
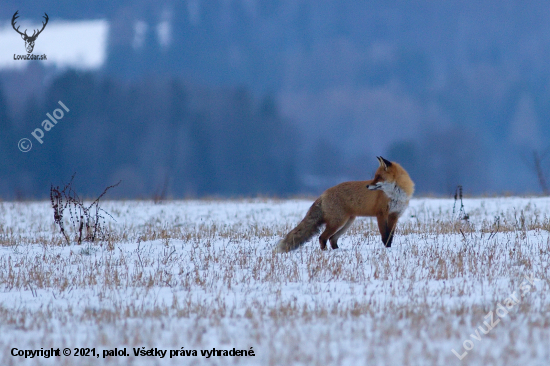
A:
(191, 277)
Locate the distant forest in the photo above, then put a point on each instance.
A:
(157, 135)
(286, 97)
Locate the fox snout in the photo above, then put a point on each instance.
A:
(374, 187)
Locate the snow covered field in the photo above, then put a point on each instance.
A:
(202, 275)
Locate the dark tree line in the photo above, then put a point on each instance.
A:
(352, 76)
(158, 134)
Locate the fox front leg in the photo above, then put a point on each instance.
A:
(387, 225)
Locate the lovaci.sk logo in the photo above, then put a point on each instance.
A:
(29, 40)
(25, 144)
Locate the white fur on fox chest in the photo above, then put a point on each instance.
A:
(399, 200)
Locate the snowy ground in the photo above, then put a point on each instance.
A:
(202, 275)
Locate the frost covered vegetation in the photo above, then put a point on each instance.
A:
(202, 275)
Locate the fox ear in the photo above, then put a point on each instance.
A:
(380, 161)
(385, 163)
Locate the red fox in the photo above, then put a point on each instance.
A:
(385, 197)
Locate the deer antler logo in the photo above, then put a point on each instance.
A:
(29, 40)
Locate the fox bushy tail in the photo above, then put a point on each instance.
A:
(308, 227)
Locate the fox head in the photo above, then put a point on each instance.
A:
(391, 177)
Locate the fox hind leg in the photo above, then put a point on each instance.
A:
(332, 226)
(329, 231)
(334, 238)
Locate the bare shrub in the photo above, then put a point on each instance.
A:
(88, 222)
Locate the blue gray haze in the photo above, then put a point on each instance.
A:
(286, 97)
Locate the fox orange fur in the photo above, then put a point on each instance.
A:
(384, 197)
